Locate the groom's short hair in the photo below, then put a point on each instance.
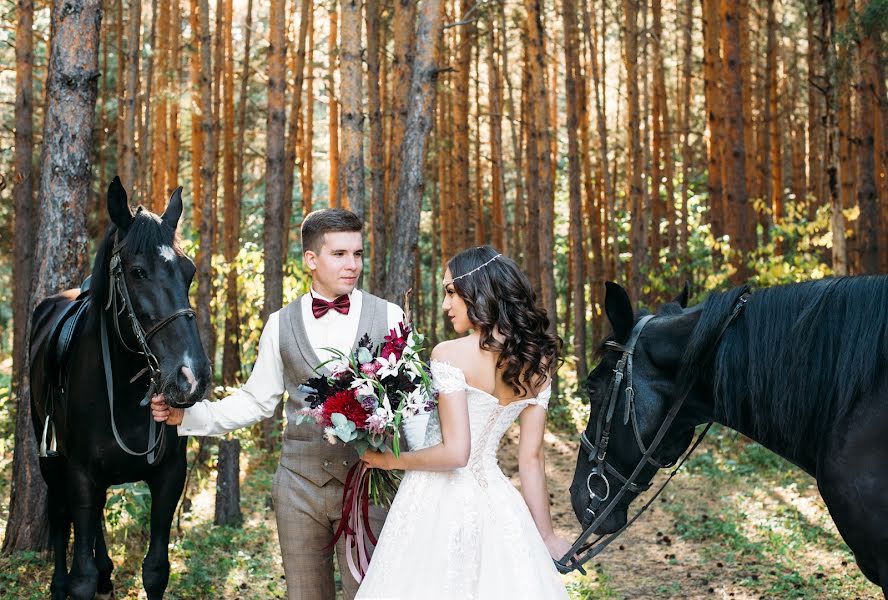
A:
(327, 220)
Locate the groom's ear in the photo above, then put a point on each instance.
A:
(311, 259)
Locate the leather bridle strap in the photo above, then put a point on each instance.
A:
(572, 559)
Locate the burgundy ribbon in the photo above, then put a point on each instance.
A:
(355, 521)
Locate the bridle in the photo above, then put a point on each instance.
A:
(119, 301)
(581, 551)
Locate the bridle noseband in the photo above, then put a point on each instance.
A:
(119, 301)
(581, 551)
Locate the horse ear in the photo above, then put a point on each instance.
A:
(174, 209)
(118, 208)
(619, 311)
(682, 298)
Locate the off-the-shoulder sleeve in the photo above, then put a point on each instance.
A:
(543, 398)
(446, 378)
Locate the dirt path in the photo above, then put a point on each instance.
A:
(778, 544)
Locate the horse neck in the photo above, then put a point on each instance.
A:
(804, 457)
(124, 363)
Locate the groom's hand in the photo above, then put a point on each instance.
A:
(162, 412)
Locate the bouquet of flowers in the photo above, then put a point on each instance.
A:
(362, 403)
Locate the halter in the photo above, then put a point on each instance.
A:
(581, 551)
(119, 293)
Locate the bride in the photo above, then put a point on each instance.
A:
(457, 528)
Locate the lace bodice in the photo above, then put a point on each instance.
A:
(488, 419)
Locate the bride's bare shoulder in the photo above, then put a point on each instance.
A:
(460, 352)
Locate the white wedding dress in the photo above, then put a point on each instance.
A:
(463, 534)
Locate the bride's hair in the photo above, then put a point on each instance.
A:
(499, 298)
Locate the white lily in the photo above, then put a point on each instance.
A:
(388, 366)
(363, 387)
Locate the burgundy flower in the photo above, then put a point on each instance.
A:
(395, 342)
(345, 403)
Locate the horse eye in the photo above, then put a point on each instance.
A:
(139, 273)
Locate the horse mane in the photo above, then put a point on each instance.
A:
(797, 359)
(146, 232)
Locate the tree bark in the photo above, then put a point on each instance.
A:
(743, 232)
(290, 162)
(514, 244)
(867, 194)
(159, 117)
(404, 41)
(495, 110)
(847, 164)
(633, 146)
(577, 259)
(22, 274)
(228, 482)
(207, 174)
(411, 180)
(61, 257)
(333, 106)
(543, 196)
(463, 228)
(377, 153)
(687, 53)
(837, 218)
(352, 115)
(816, 142)
(197, 115)
(307, 166)
(175, 70)
(712, 67)
(128, 150)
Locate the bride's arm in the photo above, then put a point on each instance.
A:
(451, 453)
(532, 471)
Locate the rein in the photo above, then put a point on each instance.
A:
(120, 293)
(582, 551)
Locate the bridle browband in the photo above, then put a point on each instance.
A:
(119, 301)
(582, 551)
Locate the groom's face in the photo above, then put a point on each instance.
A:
(336, 266)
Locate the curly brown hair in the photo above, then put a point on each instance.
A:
(499, 298)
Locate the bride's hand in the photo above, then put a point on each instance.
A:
(557, 546)
(378, 460)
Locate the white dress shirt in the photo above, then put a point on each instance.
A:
(260, 395)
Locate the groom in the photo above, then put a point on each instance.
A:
(308, 484)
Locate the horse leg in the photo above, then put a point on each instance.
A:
(105, 589)
(86, 513)
(53, 470)
(166, 488)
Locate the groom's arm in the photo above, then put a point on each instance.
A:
(255, 401)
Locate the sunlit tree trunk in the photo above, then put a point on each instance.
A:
(351, 92)
(333, 106)
(687, 53)
(867, 193)
(845, 67)
(712, 68)
(497, 172)
(290, 162)
(464, 227)
(837, 219)
(403, 47)
(307, 166)
(816, 141)
(376, 156)
(515, 241)
(634, 192)
(159, 116)
(197, 115)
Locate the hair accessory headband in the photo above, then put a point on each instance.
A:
(478, 268)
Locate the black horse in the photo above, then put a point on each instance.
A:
(802, 369)
(131, 333)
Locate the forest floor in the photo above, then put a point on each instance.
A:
(739, 523)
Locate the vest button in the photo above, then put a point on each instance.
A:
(326, 463)
(345, 463)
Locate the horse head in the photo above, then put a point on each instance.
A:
(630, 393)
(146, 278)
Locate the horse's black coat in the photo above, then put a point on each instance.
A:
(803, 371)
(90, 460)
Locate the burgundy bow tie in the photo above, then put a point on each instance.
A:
(320, 307)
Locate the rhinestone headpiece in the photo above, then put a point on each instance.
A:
(478, 268)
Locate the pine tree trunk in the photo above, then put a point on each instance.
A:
(687, 53)
(742, 232)
(290, 162)
(513, 243)
(333, 107)
(159, 118)
(797, 130)
(577, 260)
(60, 259)
(23, 264)
(351, 91)
(307, 167)
(228, 482)
(634, 192)
(773, 98)
(497, 172)
(376, 156)
(847, 164)
(128, 150)
(463, 228)
(174, 86)
(543, 194)
(143, 189)
(205, 275)
(837, 220)
(712, 67)
(816, 141)
(404, 37)
(197, 111)
(411, 180)
(867, 193)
